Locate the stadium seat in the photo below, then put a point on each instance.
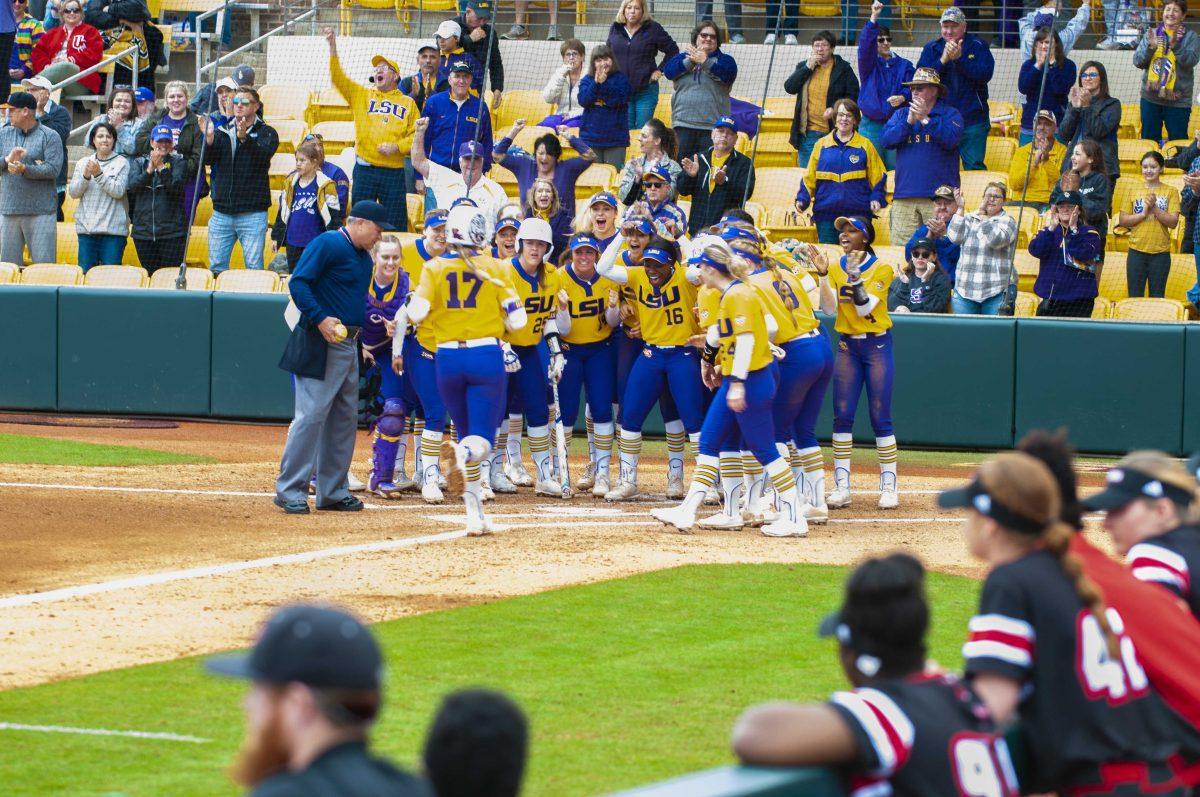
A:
(1027, 267)
(1182, 276)
(777, 115)
(1026, 306)
(782, 222)
(416, 211)
(198, 279)
(774, 150)
(343, 160)
(408, 9)
(597, 177)
(1130, 152)
(662, 111)
(284, 101)
(204, 211)
(337, 135)
(52, 274)
(243, 280)
(757, 211)
(1114, 284)
(1143, 309)
(505, 178)
(893, 255)
(113, 276)
(999, 153)
(346, 12)
(524, 104)
(197, 248)
(1101, 308)
(776, 187)
(1006, 119)
(291, 133)
(68, 206)
(883, 227)
(9, 273)
(282, 164)
(66, 243)
(328, 105)
(1131, 122)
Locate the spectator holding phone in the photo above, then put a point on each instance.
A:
(1150, 215)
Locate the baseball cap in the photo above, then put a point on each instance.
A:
(975, 496)
(37, 81)
(447, 29)
(470, 149)
(658, 255)
(726, 121)
(243, 75)
(143, 94)
(954, 14)
(388, 62)
(943, 192)
(436, 218)
(461, 66)
(228, 83)
(372, 211)
(858, 223)
(318, 646)
(507, 222)
(736, 233)
(162, 133)
(924, 243)
(580, 240)
(426, 46)
(658, 172)
(22, 99)
(603, 198)
(642, 224)
(1128, 484)
(481, 7)
(1069, 198)
(1047, 115)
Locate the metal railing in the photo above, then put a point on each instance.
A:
(91, 70)
(218, 12)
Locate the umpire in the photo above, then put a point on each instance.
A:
(316, 692)
(328, 288)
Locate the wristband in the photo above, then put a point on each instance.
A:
(709, 353)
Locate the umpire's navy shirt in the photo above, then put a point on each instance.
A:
(346, 770)
(331, 279)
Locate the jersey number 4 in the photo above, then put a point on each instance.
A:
(1102, 676)
(982, 766)
(470, 285)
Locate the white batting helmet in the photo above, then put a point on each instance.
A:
(468, 226)
(534, 229)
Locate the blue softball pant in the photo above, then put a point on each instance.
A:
(751, 429)
(628, 350)
(527, 387)
(391, 384)
(797, 372)
(661, 370)
(590, 367)
(863, 361)
(421, 367)
(812, 385)
(471, 383)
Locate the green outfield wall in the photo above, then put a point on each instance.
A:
(959, 382)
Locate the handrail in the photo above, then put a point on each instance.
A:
(201, 70)
(93, 69)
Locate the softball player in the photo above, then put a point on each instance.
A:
(599, 218)
(1150, 504)
(385, 296)
(505, 246)
(469, 301)
(855, 289)
(899, 730)
(664, 300)
(590, 359)
(738, 347)
(1044, 647)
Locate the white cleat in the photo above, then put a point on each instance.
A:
(889, 499)
(786, 528)
(752, 519)
(550, 488)
(722, 522)
(519, 476)
(712, 497)
(486, 493)
(839, 498)
(588, 480)
(815, 515)
(676, 517)
(355, 484)
(622, 492)
(405, 484)
(478, 525)
(601, 487)
(432, 494)
(675, 488)
(501, 483)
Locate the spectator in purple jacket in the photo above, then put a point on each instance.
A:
(604, 94)
(546, 162)
(965, 65)
(1047, 46)
(636, 40)
(883, 75)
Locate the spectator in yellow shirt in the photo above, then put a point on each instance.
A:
(383, 129)
(1046, 154)
(1150, 213)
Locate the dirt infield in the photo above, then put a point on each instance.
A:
(111, 567)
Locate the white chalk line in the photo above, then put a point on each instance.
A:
(166, 737)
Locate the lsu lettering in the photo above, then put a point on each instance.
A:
(538, 298)
(381, 107)
(666, 313)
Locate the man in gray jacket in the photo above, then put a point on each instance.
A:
(32, 159)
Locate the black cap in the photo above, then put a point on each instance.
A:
(975, 496)
(924, 243)
(314, 645)
(372, 211)
(1127, 484)
(22, 99)
(1069, 198)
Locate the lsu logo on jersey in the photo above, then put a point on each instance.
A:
(587, 308)
(662, 299)
(387, 108)
(724, 328)
(536, 305)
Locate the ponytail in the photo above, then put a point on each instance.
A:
(1057, 541)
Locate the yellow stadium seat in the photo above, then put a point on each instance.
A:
(52, 274)
(662, 111)
(344, 160)
(1143, 309)
(973, 184)
(346, 15)
(504, 177)
(1182, 276)
(337, 135)
(197, 248)
(282, 164)
(777, 114)
(1101, 308)
(408, 9)
(1130, 153)
(198, 279)
(776, 187)
(1114, 283)
(416, 211)
(1006, 120)
(283, 101)
(68, 207)
(999, 153)
(203, 211)
(291, 133)
(9, 273)
(328, 105)
(820, 9)
(1026, 306)
(783, 221)
(757, 211)
(883, 229)
(1027, 267)
(67, 243)
(1131, 122)
(888, 253)
(244, 280)
(773, 150)
(597, 177)
(524, 104)
(114, 276)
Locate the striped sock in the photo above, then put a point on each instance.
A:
(812, 463)
(885, 448)
(591, 432)
(539, 449)
(843, 444)
(731, 481)
(787, 500)
(453, 430)
(753, 479)
(794, 462)
(630, 446)
(676, 442)
(431, 447)
(604, 444)
(515, 425)
(418, 457)
(705, 475)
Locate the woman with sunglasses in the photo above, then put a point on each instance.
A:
(1093, 113)
(703, 77)
(68, 50)
(922, 287)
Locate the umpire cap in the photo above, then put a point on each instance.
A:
(318, 646)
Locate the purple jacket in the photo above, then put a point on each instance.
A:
(1059, 276)
(881, 78)
(636, 56)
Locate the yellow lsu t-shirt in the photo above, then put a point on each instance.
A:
(462, 305)
(665, 315)
(708, 306)
(1151, 236)
(876, 277)
(588, 303)
(413, 257)
(779, 299)
(742, 310)
(538, 298)
(379, 117)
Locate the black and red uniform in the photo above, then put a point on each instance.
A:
(1092, 724)
(925, 735)
(1171, 560)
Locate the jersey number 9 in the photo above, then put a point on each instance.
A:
(470, 284)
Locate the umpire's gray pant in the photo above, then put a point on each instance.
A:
(321, 435)
(39, 233)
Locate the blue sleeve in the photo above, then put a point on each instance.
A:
(1084, 245)
(724, 68)
(308, 270)
(879, 191)
(1029, 80)
(672, 69)
(868, 49)
(946, 129)
(802, 195)
(1043, 246)
(587, 91)
(664, 44)
(896, 129)
(979, 69)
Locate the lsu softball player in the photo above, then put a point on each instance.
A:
(385, 296)
(537, 346)
(738, 346)
(469, 302)
(592, 313)
(505, 246)
(855, 289)
(599, 218)
(664, 301)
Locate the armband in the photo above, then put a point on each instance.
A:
(510, 306)
(709, 353)
(859, 295)
(554, 343)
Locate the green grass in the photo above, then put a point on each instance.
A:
(19, 449)
(625, 682)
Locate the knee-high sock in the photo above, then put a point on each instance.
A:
(418, 454)
(603, 442)
(843, 444)
(402, 446)
(473, 491)
(705, 476)
(539, 449)
(452, 430)
(794, 463)
(676, 442)
(515, 424)
(812, 465)
(431, 446)
(731, 482)
(885, 448)
(754, 480)
(787, 500)
(631, 450)
(591, 432)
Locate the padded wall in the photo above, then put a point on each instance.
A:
(248, 337)
(1191, 390)
(745, 782)
(29, 352)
